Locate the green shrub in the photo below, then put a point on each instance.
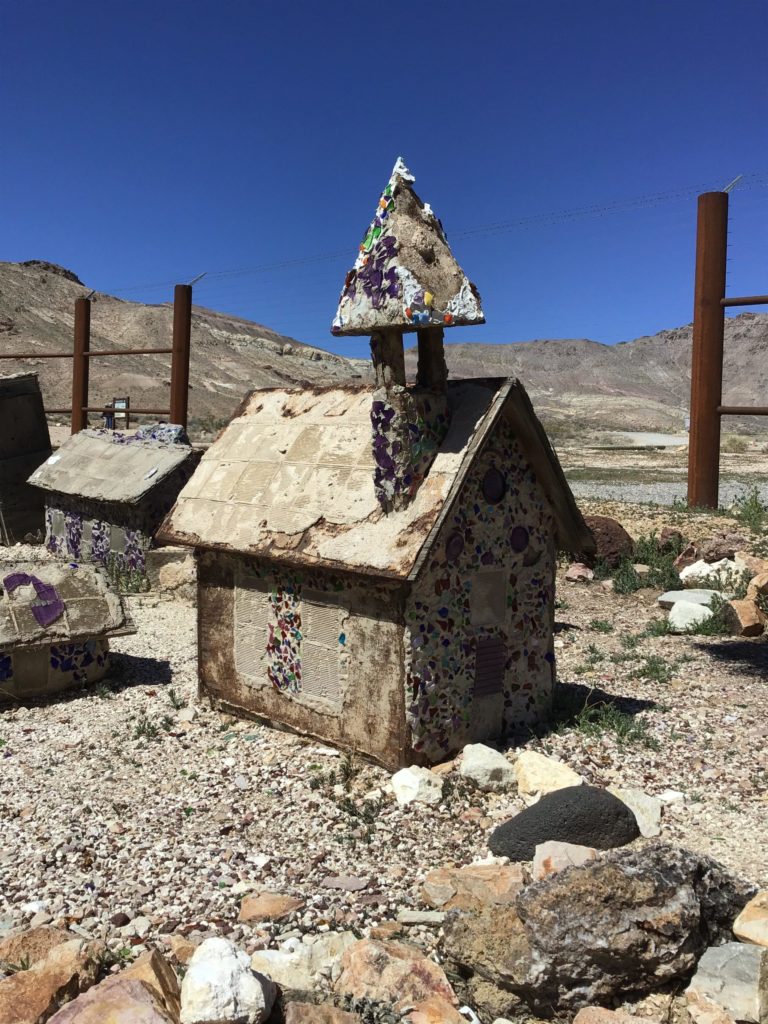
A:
(594, 716)
(601, 626)
(657, 627)
(734, 443)
(750, 510)
(655, 668)
(717, 625)
(625, 578)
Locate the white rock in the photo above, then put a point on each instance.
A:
(486, 767)
(551, 857)
(692, 596)
(685, 614)
(417, 785)
(188, 714)
(35, 906)
(298, 965)
(220, 987)
(672, 796)
(242, 887)
(140, 926)
(646, 809)
(724, 571)
(735, 975)
(421, 916)
(536, 773)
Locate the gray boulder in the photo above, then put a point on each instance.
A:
(625, 924)
(582, 815)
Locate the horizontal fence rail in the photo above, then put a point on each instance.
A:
(81, 354)
(110, 408)
(709, 305)
(742, 410)
(745, 300)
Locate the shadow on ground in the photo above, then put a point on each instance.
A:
(130, 670)
(741, 655)
(592, 711)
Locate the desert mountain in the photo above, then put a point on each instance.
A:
(577, 385)
(636, 385)
(229, 355)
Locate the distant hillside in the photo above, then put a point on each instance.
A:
(635, 385)
(229, 355)
(577, 385)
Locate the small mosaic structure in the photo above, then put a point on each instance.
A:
(106, 493)
(376, 565)
(24, 444)
(55, 624)
(405, 276)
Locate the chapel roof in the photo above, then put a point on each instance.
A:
(104, 465)
(43, 602)
(291, 479)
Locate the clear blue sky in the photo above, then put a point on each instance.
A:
(142, 143)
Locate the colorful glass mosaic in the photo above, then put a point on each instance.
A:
(407, 430)
(73, 534)
(6, 667)
(79, 538)
(285, 631)
(404, 249)
(79, 661)
(100, 542)
(53, 541)
(284, 643)
(513, 536)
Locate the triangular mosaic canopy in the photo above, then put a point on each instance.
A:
(405, 276)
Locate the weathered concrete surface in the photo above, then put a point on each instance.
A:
(24, 445)
(371, 714)
(55, 621)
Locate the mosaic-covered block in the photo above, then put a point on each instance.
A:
(405, 276)
(408, 427)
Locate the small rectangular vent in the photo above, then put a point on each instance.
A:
(491, 656)
(321, 625)
(252, 608)
(488, 598)
(320, 673)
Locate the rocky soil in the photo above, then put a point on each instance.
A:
(134, 814)
(135, 799)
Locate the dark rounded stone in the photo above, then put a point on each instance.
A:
(120, 920)
(584, 815)
(612, 542)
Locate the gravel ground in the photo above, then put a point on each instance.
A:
(113, 803)
(666, 493)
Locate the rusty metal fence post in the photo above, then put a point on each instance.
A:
(707, 350)
(182, 332)
(80, 364)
